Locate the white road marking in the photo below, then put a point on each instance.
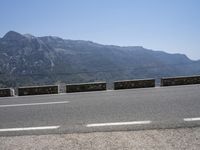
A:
(30, 128)
(191, 119)
(118, 123)
(34, 104)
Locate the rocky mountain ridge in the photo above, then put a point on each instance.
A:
(29, 60)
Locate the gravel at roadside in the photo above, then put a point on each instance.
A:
(166, 139)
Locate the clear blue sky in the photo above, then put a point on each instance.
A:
(168, 25)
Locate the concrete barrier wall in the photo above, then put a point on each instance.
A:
(37, 90)
(131, 84)
(86, 87)
(6, 92)
(180, 80)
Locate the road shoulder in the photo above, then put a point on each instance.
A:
(170, 139)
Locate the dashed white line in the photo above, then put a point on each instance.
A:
(191, 119)
(30, 128)
(118, 123)
(34, 104)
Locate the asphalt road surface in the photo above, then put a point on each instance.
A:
(121, 110)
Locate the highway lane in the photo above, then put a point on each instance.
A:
(134, 109)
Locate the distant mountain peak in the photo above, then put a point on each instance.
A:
(12, 35)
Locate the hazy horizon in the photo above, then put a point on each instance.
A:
(171, 26)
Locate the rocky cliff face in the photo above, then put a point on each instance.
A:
(30, 60)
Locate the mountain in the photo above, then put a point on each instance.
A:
(29, 60)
